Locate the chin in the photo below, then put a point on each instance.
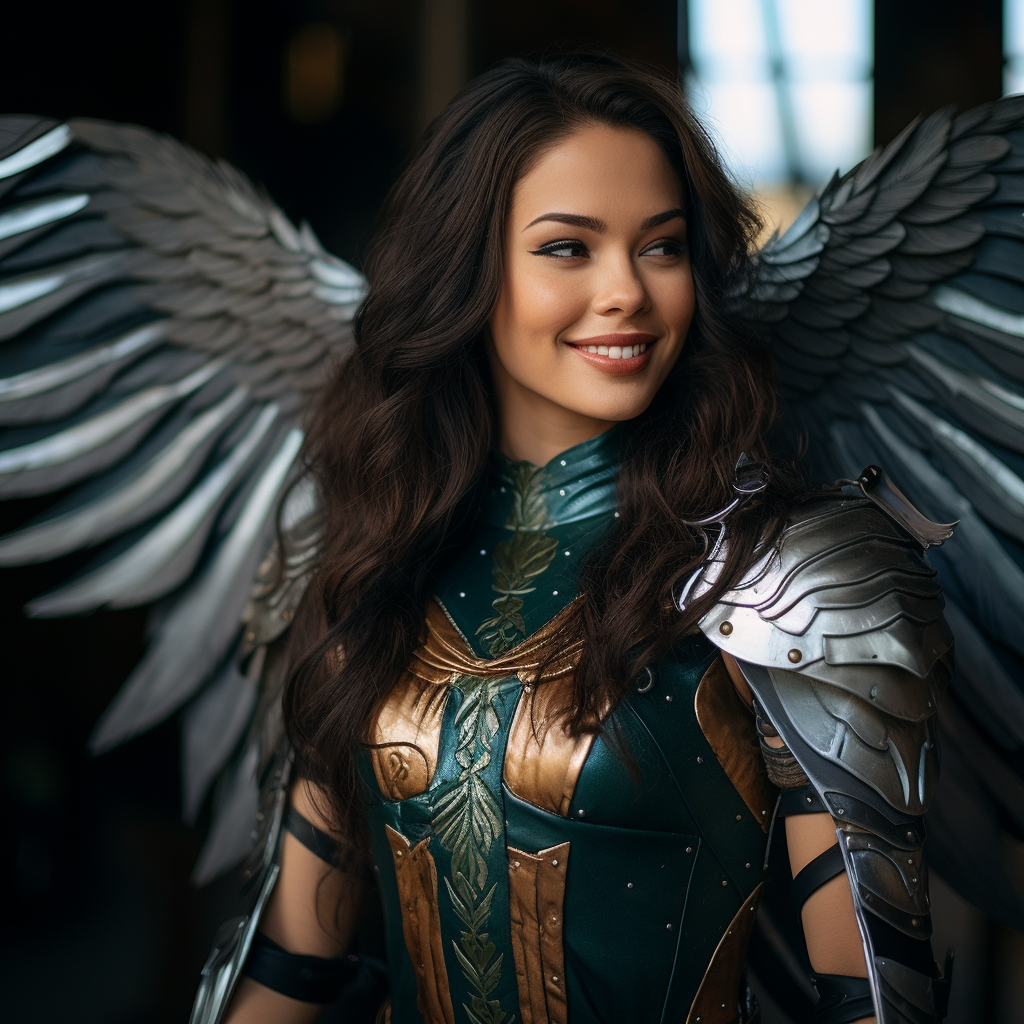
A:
(614, 408)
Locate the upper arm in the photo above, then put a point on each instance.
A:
(314, 905)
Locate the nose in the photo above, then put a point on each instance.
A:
(620, 288)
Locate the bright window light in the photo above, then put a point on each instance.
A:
(785, 86)
(1013, 46)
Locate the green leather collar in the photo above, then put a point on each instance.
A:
(574, 485)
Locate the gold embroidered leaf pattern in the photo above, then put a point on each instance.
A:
(467, 819)
(519, 560)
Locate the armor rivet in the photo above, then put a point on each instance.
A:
(725, 628)
(398, 853)
(554, 978)
(554, 863)
(910, 835)
(526, 689)
(725, 881)
(739, 817)
(689, 849)
(794, 655)
(910, 860)
(914, 921)
(554, 593)
(840, 811)
(554, 920)
(700, 760)
(580, 813)
(668, 927)
(763, 813)
(808, 799)
(723, 1006)
(747, 865)
(629, 885)
(517, 863)
(482, 551)
(914, 880)
(562, 493)
(462, 593)
(668, 697)
(874, 692)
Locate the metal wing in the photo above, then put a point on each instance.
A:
(897, 310)
(162, 325)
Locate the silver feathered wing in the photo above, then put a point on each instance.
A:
(896, 304)
(163, 325)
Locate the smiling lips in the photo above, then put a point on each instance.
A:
(616, 354)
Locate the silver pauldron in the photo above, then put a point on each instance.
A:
(839, 632)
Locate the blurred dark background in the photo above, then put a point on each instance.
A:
(319, 100)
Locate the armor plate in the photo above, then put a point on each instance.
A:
(839, 632)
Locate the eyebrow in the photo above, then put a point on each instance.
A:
(595, 224)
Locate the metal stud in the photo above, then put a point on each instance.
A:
(668, 697)
(725, 881)
(561, 492)
(747, 865)
(629, 885)
(725, 628)
(554, 978)
(700, 760)
(668, 927)
(689, 849)
(554, 863)
(580, 813)
(739, 817)
(794, 655)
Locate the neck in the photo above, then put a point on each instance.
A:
(533, 429)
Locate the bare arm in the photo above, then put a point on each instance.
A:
(312, 911)
(830, 924)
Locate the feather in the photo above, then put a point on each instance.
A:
(196, 633)
(141, 496)
(165, 555)
(211, 729)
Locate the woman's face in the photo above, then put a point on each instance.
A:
(597, 293)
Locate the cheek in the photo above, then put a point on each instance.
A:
(533, 310)
(675, 303)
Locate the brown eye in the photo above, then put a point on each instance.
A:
(665, 247)
(565, 249)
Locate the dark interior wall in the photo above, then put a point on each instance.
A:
(932, 52)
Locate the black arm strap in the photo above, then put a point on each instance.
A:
(842, 999)
(813, 876)
(801, 800)
(310, 979)
(311, 837)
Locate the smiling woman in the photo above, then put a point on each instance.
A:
(500, 699)
(587, 326)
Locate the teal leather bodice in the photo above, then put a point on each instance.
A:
(530, 876)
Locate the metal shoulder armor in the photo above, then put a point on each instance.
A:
(839, 632)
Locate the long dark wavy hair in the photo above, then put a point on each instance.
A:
(400, 438)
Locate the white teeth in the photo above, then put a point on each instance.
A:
(618, 351)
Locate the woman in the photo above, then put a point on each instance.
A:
(548, 397)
